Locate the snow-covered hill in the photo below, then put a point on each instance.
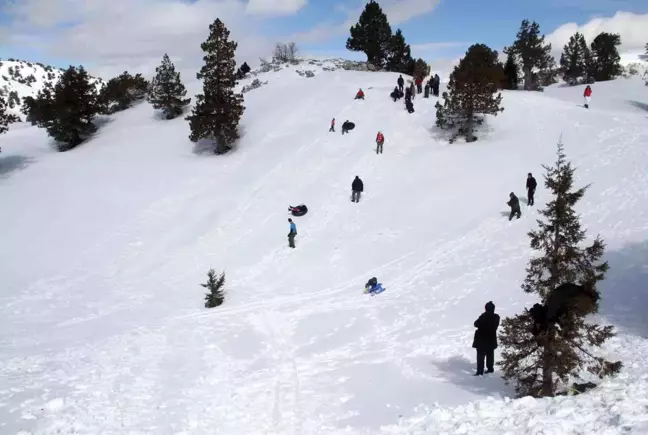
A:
(20, 79)
(102, 328)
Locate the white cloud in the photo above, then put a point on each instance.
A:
(110, 36)
(275, 7)
(633, 29)
(401, 11)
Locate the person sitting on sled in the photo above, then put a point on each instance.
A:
(373, 286)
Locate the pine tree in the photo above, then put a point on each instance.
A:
(421, 69)
(471, 92)
(67, 111)
(371, 35)
(120, 92)
(536, 361)
(511, 72)
(607, 62)
(167, 91)
(4, 116)
(575, 60)
(214, 284)
(530, 48)
(399, 54)
(218, 109)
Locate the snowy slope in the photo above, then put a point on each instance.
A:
(25, 79)
(102, 328)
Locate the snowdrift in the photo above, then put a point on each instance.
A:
(102, 327)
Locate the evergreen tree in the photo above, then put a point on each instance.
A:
(4, 116)
(421, 69)
(529, 47)
(371, 35)
(214, 284)
(68, 110)
(607, 62)
(120, 92)
(167, 91)
(218, 109)
(399, 56)
(575, 60)
(511, 72)
(37, 109)
(535, 359)
(471, 92)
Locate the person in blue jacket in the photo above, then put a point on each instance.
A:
(292, 234)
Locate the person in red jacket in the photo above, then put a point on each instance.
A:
(332, 126)
(380, 140)
(360, 95)
(419, 85)
(587, 94)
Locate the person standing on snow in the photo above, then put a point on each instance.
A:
(587, 94)
(412, 90)
(427, 90)
(380, 140)
(332, 129)
(485, 340)
(292, 234)
(401, 83)
(419, 84)
(357, 187)
(531, 185)
(435, 85)
(514, 203)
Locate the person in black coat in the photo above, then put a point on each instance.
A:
(531, 185)
(485, 340)
(401, 83)
(357, 187)
(409, 106)
(395, 94)
(514, 203)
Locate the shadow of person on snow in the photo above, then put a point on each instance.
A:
(459, 371)
(639, 105)
(9, 164)
(624, 291)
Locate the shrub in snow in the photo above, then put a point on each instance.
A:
(471, 93)
(306, 73)
(285, 52)
(215, 286)
(4, 117)
(122, 91)
(167, 93)
(256, 84)
(540, 352)
(218, 109)
(533, 53)
(350, 65)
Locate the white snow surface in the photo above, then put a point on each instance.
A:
(102, 324)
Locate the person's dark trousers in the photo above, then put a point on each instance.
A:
(489, 356)
(515, 212)
(332, 129)
(291, 240)
(531, 193)
(379, 147)
(343, 131)
(355, 196)
(400, 88)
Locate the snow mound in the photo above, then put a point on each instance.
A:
(102, 327)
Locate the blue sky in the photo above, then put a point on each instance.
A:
(116, 34)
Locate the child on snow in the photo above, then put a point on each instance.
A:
(587, 94)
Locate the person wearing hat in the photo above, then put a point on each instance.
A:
(485, 340)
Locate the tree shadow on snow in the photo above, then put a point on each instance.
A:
(624, 292)
(459, 371)
(10, 164)
(207, 147)
(638, 105)
(102, 120)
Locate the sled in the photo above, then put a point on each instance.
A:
(375, 290)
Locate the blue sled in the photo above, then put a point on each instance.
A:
(378, 288)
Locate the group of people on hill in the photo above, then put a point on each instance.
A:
(514, 202)
(415, 87)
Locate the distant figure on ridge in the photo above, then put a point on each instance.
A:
(380, 140)
(401, 83)
(531, 185)
(357, 187)
(332, 129)
(514, 203)
(292, 234)
(588, 95)
(485, 340)
(359, 95)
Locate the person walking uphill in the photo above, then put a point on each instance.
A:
(357, 187)
(292, 234)
(380, 140)
(531, 185)
(332, 129)
(514, 203)
(587, 95)
(401, 83)
(485, 340)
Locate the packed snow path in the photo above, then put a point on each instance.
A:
(102, 328)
